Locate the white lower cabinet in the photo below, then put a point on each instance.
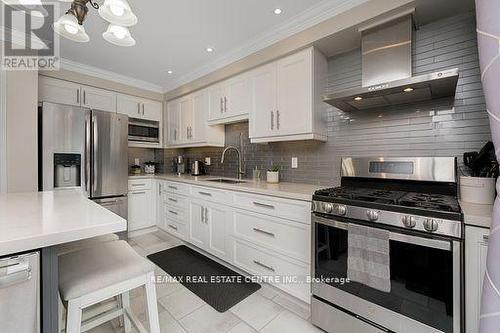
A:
(476, 249)
(140, 209)
(262, 235)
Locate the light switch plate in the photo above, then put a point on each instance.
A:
(295, 163)
(208, 161)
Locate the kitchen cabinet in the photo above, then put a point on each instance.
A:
(139, 108)
(198, 225)
(141, 204)
(187, 123)
(65, 92)
(286, 98)
(230, 100)
(476, 249)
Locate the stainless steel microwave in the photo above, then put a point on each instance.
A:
(143, 131)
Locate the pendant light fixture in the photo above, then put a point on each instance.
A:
(116, 12)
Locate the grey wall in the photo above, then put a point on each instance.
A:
(428, 129)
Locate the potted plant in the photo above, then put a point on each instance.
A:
(273, 174)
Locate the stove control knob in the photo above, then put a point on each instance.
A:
(328, 207)
(340, 210)
(431, 225)
(408, 221)
(372, 215)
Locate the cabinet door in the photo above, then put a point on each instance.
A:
(140, 210)
(200, 112)
(198, 226)
(151, 110)
(476, 249)
(216, 97)
(186, 114)
(294, 111)
(58, 91)
(173, 122)
(128, 105)
(98, 99)
(237, 99)
(262, 117)
(217, 218)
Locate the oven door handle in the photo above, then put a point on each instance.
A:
(395, 236)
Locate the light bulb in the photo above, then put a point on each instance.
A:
(117, 10)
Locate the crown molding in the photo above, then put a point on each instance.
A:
(322, 11)
(100, 73)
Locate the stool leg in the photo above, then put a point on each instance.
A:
(125, 297)
(73, 316)
(154, 324)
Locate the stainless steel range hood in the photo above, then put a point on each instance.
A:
(387, 72)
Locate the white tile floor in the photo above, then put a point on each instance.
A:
(180, 310)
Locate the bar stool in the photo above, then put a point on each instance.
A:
(94, 274)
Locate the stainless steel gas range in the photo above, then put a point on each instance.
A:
(415, 201)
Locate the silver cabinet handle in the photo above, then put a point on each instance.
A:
(139, 184)
(159, 189)
(264, 232)
(272, 120)
(277, 119)
(172, 226)
(84, 97)
(263, 205)
(486, 238)
(225, 104)
(269, 268)
(142, 192)
(138, 108)
(202, 214)
(206, 215)
(187, 132)
(78, 96)
(172, 212)
(172, 187)
(175, 134)
(143, 109)
(173, 200)
(221, 105)
(205, 194)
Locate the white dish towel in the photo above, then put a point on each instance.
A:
(368, 258)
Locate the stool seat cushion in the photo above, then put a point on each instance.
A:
(93, 268)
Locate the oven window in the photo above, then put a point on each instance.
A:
(421, 277)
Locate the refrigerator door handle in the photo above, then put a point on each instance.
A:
(95, 151)
(87, 152)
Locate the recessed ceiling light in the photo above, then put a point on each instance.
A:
(278, 11)
(210, 49)
(409, 89)
(170, 72)
(358, 98)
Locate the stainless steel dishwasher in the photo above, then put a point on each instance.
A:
(20, 293)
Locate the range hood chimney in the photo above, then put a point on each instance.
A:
(387, 79)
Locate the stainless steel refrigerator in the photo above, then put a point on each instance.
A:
(88, 149)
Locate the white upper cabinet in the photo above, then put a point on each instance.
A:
(139, 108)
(187, 123)
(286, 98)
(230, 100)
(58, 91)
(98, 99)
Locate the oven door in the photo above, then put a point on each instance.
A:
(425, 274)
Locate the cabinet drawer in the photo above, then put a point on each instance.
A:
(175, 228)
(299, 211)
(179, 188)
(176, 214)
(172, 199)
(139, 184)
(289, 238)
(210, 194)
(260, 262)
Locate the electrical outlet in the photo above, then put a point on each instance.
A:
(295, 163)
(136, 161)
(208, 161)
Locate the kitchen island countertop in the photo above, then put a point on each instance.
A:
(42, 219)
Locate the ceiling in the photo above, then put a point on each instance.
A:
(173, 35)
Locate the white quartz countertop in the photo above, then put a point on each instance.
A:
(285, 190)
(477, 215)
(40, 219)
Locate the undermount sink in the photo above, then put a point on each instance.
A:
(227, 181)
